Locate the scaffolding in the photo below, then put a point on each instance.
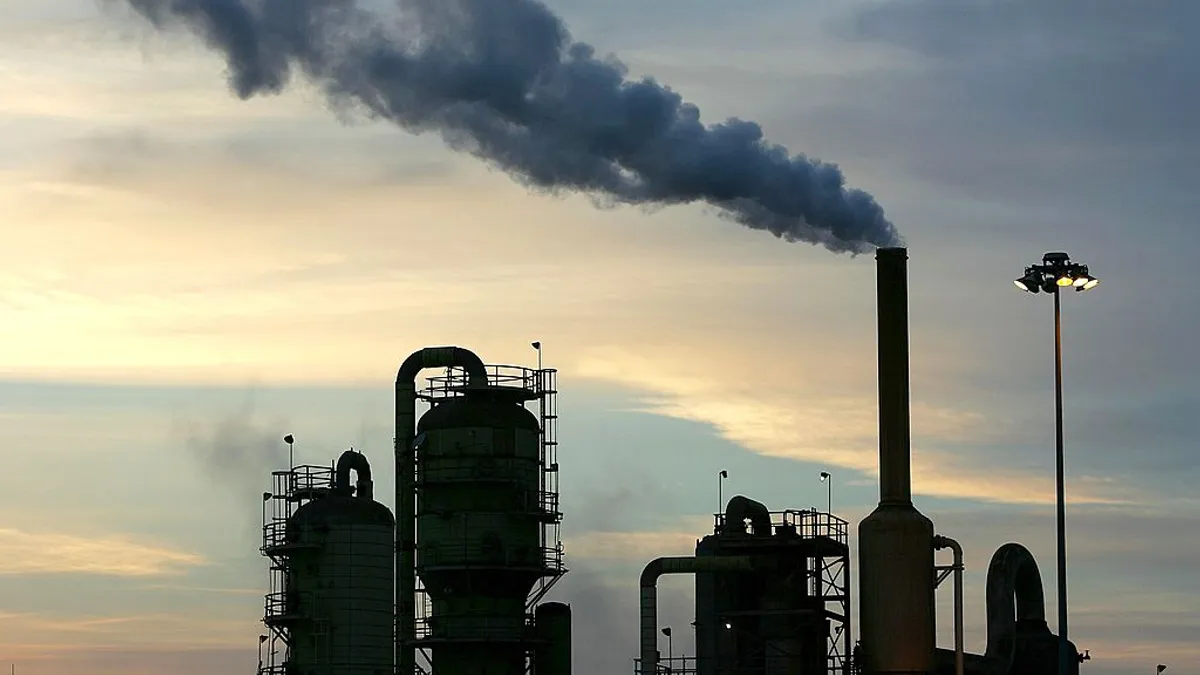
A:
(539, 387)
(290, 490)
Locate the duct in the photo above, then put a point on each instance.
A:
(406, 403)
(649, 594)
(940, 542)
(741, 508)
(1014, 594)
(896, 605)
(356, 462)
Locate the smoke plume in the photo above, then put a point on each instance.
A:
(238, 453)
(504, 81)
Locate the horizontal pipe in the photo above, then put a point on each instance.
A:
(649, 594)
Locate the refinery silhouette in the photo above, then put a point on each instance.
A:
(455, 582)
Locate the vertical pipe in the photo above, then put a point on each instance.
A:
(958, 610)
(895, 480)
(1063, 649)
(406, 525)
(946, 542)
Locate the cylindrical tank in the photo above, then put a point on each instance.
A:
(553, 652)
(479, 520)
(768, 623)
(339, 580)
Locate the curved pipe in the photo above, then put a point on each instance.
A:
(356, 462)
(740, 508)
(406, 403)
(649, 594)
(1014, 594)
(940, 542)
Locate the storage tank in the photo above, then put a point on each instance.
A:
(338, 584)
(553, 653)
(479, 529)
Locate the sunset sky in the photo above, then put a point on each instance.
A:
(185, 277)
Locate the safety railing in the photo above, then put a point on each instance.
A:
(274, 535)
(480, 466)
(477, 627)
(808, 524)
(455, 379)
(671, 665)
(431, 555)
(282, 606)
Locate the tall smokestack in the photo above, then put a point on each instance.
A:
(541, 106)
(895, 475)
(895, 542)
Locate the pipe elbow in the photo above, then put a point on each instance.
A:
(940, 542)
(741, 508)
(438, 357)
(356, 462)
(652, 571)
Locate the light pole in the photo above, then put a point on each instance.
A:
(827, 479)
(291, 443)
(1057, 273)
(670, 647)
(721, 491)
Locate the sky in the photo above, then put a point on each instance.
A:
(187, 276)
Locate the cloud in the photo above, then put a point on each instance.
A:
(64, 660)
(1068, 107)
(49, 637)
(38, 553)
(790, 411)
(642, 547)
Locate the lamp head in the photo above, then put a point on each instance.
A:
(1031, 282)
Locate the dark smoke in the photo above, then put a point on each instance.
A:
(238, 454)
(504, 81)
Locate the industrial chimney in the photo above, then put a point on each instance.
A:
(895, 542)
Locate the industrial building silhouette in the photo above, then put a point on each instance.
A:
(454, 584)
